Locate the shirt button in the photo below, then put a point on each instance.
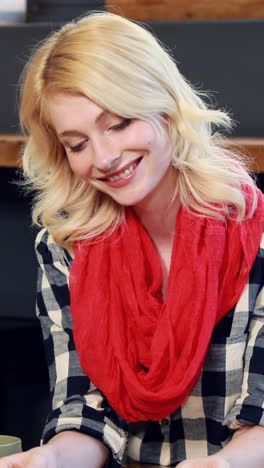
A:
(165, 422)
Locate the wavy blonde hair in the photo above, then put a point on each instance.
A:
(123, 68)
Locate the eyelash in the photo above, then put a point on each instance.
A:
(76, 148)
(120, 126)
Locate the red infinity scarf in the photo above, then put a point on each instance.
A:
(144, 354)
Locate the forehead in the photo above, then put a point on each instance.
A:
(66, 110)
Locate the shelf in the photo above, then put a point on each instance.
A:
(11, 147)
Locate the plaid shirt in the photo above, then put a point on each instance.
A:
(228, 394)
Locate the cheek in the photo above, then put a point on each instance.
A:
(152, 140)
(79, 166)
(146, 135)
(72, 163)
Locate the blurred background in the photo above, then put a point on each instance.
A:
(140, 10)
(218, 46)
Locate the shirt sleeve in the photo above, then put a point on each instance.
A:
(76, 403)
(249, 406)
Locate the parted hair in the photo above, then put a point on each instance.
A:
(123, 68)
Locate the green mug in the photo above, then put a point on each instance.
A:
(9, 445)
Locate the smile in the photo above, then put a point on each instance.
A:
(123, 173)
(122, 177)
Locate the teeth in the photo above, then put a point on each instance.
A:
(123, 174)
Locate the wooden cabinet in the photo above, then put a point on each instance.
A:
(174, 10)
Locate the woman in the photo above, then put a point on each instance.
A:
(152, 248)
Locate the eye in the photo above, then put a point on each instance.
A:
(121, 125)
(77, 148)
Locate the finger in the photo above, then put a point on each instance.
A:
(12, 461)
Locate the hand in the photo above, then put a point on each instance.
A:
(214, 461)
(39, 457)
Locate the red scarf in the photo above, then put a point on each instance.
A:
(144, 354)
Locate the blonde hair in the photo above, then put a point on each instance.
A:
(123, 68)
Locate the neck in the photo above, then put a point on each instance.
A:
(158, 212)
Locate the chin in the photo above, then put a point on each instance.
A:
(127, 203)
(127, 200)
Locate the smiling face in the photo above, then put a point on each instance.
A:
(123, 158)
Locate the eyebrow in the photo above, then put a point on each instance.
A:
(102, 116)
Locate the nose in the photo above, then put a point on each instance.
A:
(106, 156)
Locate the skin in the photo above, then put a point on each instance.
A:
(97, 146)
(99, 143)
(245, 450)
(65, 450)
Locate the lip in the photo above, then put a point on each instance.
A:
(124, 180)
(116, 173)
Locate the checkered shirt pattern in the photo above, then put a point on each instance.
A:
(228, 394)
